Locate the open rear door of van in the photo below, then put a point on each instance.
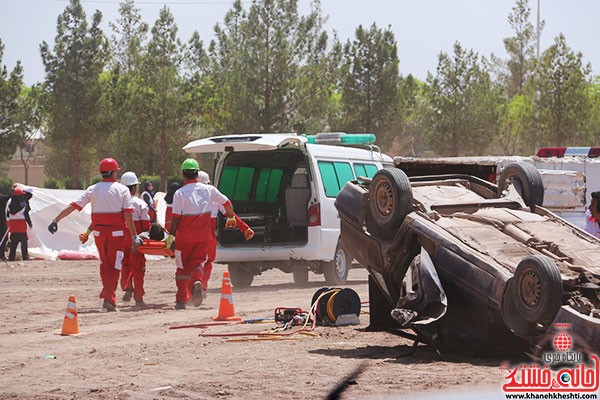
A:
(250, 142)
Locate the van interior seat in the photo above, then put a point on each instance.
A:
(296, 200)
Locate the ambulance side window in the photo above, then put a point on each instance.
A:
(366, 170)
(334, 176)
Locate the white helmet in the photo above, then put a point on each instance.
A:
(203, 177)
(129, 178)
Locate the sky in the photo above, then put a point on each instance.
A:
(423, 28)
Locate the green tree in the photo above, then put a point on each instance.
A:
(125, 97)
(270, 68)
(72, 72)
(10, 89)
(370, 81)
(459, 114)
(560, 93)
(28, 127)
(409, 139)
(520, 49)
(167, 122)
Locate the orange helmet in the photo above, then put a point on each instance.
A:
(109, 164)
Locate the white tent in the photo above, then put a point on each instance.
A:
(47, 204)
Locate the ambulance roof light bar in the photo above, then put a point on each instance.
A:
(341, 138)
(591, 152)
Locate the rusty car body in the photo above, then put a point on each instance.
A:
(469, 265)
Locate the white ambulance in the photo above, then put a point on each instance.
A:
(284, 187)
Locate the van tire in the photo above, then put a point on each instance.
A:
(240, 276)
(527, 181)
(300, 273)
(336, 271)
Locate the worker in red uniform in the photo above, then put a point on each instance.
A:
(191, 229)
(111, 217)
(169, 201)
(18, 220)
(216, 208)
(134, 264)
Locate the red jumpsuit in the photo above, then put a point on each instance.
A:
(109, 200)
(212, 253)
(134, 265)
(168, 215)
(193, 204)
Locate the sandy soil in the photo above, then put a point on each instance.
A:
(133, 354)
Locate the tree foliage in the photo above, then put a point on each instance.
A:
(10, 89)
(269, 65)
(73, 68)
(560, 94)
(370, 81)
(459, 114)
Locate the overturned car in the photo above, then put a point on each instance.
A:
(471, 266)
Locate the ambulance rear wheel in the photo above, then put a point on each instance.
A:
(240, 276)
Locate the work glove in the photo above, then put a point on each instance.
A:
(170, 240)
(230, 223)
(83, 237)
(136, 240)
(249, 234)
(53, 227)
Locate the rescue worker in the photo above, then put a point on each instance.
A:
(191, 232)
(148, 197)
(4, 198)
(134, 264)
(216, 208)
(592, 215)
(169, 200)
(18, 219)
(112, 214)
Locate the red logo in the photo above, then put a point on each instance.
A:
(562, 342)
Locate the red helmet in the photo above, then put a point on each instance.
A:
(109, 164)
(18, 192)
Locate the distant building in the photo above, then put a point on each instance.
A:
(34, 155)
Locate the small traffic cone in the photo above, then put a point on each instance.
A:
(226, 310)
(70, 323)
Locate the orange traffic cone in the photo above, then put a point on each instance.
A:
(226, 310)
(70, 323)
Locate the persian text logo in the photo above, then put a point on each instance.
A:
(554, 376)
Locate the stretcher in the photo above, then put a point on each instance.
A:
(155, 248)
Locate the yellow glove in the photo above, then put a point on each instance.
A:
(230, 223)
(83, 237)
(249, 234)
(170, 240)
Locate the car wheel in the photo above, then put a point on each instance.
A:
(336, 271)
(240, 276)
(526, 179)
(390, 198)
(537, 290)
(300, 273)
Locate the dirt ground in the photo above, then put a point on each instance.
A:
(133, 354)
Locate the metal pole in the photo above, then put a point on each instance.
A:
(538, 30)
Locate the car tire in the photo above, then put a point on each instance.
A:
(390, 198)
(527, 181)
(537, 290)
(300, 273)
(336, 271)
(240, 276)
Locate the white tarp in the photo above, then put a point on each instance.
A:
(47, 204)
